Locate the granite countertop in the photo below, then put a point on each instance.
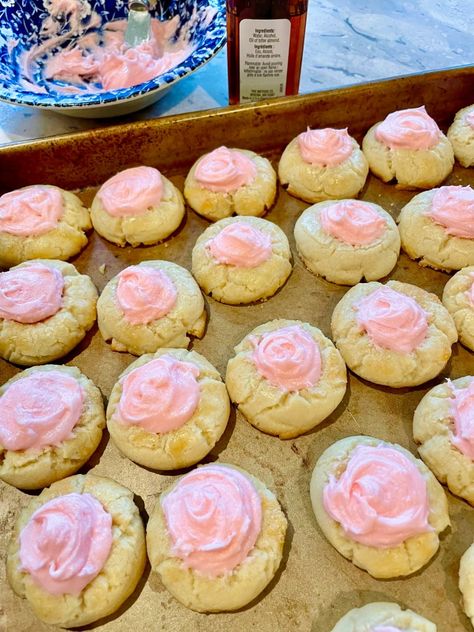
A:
(347, 41)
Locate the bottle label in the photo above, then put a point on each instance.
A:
(264, 47)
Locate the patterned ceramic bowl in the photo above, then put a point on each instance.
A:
(48, 26)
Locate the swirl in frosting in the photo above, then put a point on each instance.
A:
(380, 499)
(408, 129)
(30, 293)
(325, 147)
(392, 320)
(159, 396)
(31, 211)
(453, 208)
(288, 358)
(132, 192)
(40, 410)
(225, 170)
(214, 517)
(66, 543)
(352, 222)
(241, 245)
(145, 294)
(462, 411)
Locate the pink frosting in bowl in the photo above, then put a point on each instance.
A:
(352, 222)
(66, 543)
(132, 192)
(288, 358)
(325, 147)
(30, 293)
(380, 499)
(225, 170)
(241, 245)
(213, 517)
(392, 320)
(145, 294)
(31, 211)
(40, 410)
(462, 411)
(412, 128)
(159, 396)
(453, 208)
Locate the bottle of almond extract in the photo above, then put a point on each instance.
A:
(264, 48)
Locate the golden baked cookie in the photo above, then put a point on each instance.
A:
(458, 298)
(466, 582)
(57, 401)
(286, 377)
(386, 616)
(111, 513)
(461, 136)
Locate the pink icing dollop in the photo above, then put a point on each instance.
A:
(241, 245)
(40, 410)
(352, 222)
(214, 517)
(66, 543)
(288, 358)
(453, 208)
(408, 129)
(131, 192)
(145, 294)
(224, 170)
(30, 293)
(380, 499)
(470, 119)
(392, 320)
(159, 396)
(32, 211)
(462, 410)
(325, 147)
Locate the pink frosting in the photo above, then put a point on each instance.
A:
(325, 147)
(352, 222)
(392, 320)
(462, 410)
(30, 293)
(214, 517)
(159, 396)
(470, 118)
(380, 499)
(31, 211)
(241, 245)
(132, 192)
(408, 129)
(386, 628)
(288, 358)
(453, 208)
(40, 410)
(225, 170)
(66, 543)
(145, 294)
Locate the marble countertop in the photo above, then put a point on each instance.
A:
(347, 41)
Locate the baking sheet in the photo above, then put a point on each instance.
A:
(315, 586)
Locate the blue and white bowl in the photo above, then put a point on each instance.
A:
(20, 24)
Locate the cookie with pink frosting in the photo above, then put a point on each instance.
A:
(382, 616)
(216, 537)
(151, 305)
(394, 334)
(444, 429)
(77, 550)
(239, 260)
(461, 136)
(437, 228)
(41, 222)
(409, 147)
(347, 241)
(51, 422)
(137, 206)
(228, 182)
(323, 164)
(168, 409)
(46, 309)
(286, 377)
(458, 298)
(378, 505)
(466, 582)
